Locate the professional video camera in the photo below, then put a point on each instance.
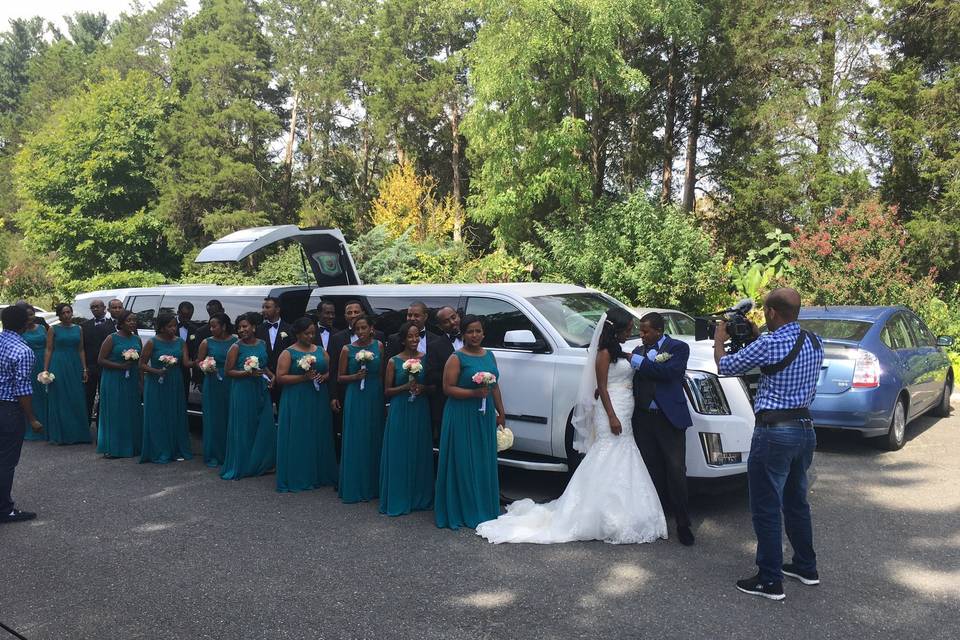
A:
(738, 326)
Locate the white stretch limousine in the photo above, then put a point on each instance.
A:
(538, 331)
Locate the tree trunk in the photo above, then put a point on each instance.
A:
(288, 155)
(599, 130)
(693, 139)
(309, 159)
(669, 125)
(455, 166)
(826, 120)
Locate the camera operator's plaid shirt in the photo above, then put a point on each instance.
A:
(792, 388)
(16, 367)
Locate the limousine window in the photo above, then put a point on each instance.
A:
(145, 308)
(575, 315)
(499, 317)
(391, 311)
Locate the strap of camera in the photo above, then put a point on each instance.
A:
(773, 369)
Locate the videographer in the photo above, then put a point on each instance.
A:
(789, 359)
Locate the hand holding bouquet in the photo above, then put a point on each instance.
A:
(166, 362)
(45, 378)
(363, 357)
(130, 356)
(306, 363)
(251, 364)
(414, 368)
(485, 380)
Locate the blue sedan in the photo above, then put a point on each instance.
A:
(882, 368)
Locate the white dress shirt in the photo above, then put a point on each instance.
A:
(272, 332)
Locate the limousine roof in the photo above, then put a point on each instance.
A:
(520, 289)
(193, 289)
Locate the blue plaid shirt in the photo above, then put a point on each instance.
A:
(16, 367)
(792, 388)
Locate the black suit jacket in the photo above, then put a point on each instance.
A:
(394, 345)
(282, 342)
(338, 341)
(93, 337)
(438, 352)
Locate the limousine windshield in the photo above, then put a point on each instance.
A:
(575, 315)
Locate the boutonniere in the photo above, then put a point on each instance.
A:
(663, 356)
(192, 337)
(283, 334)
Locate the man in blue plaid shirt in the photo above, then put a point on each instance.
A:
(789, 360)
(16, 408)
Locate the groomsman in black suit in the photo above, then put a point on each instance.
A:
(277, 334)
(417, 314)
(351, 311)
(95, 331)
(325, 316)
(448, 320)
(187, 329)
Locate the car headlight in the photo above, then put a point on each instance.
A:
(714, 453)
(705, 393)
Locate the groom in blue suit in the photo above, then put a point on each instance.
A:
(661, 416)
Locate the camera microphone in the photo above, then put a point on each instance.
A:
(745, 306)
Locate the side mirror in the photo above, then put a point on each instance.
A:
(522, 339)
(945, 341)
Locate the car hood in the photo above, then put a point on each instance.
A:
(701, 353)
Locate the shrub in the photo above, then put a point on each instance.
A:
(115, 280)
(27, 280)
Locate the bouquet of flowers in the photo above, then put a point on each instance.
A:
(504, 439)
(251, 363)
(484, 379)
(130, 355)
(363, 357)
(414, 368)
(167, 362)
(306, 363)
(45, 378)
(208, 365)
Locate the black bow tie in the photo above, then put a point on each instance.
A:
(273, 325)
(453, 336)
(423, 332)
(99, 321)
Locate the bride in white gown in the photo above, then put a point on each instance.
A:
(610, 496)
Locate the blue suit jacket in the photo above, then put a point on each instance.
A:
(669, 375)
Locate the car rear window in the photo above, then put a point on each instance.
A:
(833, 329)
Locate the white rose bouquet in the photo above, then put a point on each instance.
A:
(130, 355)
(46, 379)
(414, 368)
(166, 362)
(504, 439)
(307, 363)
(363, 357)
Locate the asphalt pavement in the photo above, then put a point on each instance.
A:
(123, 550)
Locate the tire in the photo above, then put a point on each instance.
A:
(942, 410)
(897, 435)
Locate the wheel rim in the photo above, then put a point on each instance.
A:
(899, 422)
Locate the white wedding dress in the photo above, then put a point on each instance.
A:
(610, 496)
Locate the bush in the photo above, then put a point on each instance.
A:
(639, 251)
(27, 280)
(116, 280)
(856, 256)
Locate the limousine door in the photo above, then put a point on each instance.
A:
(325, 250)
(526, 375)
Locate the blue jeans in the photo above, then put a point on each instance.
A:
(777, 474)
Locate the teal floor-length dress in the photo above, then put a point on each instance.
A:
(166, 432)
(66, 399)
(362, 430)
(36, 339)
(468, 489)
(216, 403)
(305, 455)
(251, 433)
(120, 424)
(406, 464)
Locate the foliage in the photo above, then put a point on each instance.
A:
(751, 278)
(284, 267)
(26, 279)
(856, 256)
(114, 280)
(408, 201)
(639, 251)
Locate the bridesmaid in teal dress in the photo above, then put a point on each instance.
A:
(251, 433)
(468, 489)
(120, 424)
(67, 420)
(166, 432)
(36, 338)
(362, 416)
(216, 389)
(305, 455)
(406, 465)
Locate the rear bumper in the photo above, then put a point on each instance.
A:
(864, 410)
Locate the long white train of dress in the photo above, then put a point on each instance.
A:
(610, 496)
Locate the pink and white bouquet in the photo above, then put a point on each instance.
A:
(130, 355)
(251, 364)
(363, 357)
(208, 365)
(166, 361)
(306, 363)
(45, 378)
(414, 368)
(484, 379)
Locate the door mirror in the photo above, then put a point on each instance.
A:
(945, 341)
(521, 339)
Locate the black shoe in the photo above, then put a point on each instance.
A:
(755, 587)
(16, 515)
(685, 536)
(809, 578)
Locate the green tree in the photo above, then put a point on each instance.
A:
(217, 173)
(87, 181)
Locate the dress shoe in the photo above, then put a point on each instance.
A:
(685, 536)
